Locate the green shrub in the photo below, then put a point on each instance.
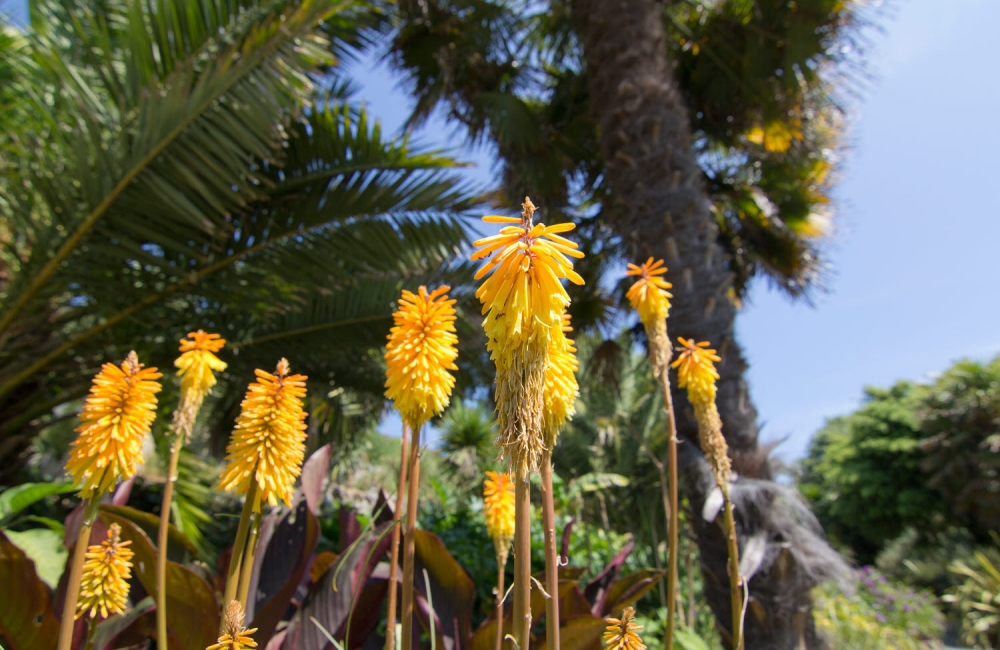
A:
(977, 598)
(877, 615)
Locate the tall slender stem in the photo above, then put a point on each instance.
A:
(76, 574)
(397, 516)
(501, 574)
(660, 354)
(239, 547)
(246, 571)
(551, 559)
(522, 558)
(409, 542)
(735, 582)
(162, 540)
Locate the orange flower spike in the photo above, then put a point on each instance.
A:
(561, 388)
(498, 504)
(198, 363)
(696, 370)
(649, 295)
(114, 421)
(106, 570)
(622, 634)
(268, 443)
(422, 348)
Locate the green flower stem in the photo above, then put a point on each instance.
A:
(251, 503)
(735, 581)
(246, 572)
(409, 543)
(162, 540)
(397, 516)
(522, 558)
(551, 558)
(76, 574)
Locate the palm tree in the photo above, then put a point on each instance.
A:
(702, 133)
(200, 163)
(467, 443)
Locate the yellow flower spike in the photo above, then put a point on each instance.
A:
(498, 505)
(523, 301)
(268, 443)
(198, 363)
(422, 349)
(236, 637)
(106, 570)
(561, 388)
(696, 372)
(115, 419)
(649, 295)
(622, 634)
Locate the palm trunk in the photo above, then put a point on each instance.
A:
(662, 210)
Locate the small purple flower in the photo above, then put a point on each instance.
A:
(880, 617)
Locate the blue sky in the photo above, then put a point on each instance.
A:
(912, 283)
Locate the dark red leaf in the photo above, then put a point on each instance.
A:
(27, 621)
(285, 562)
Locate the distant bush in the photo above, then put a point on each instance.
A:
(878, 614)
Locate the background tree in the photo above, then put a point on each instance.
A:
(919, 459)
(201, 164)
(703, 133)
(863, 472)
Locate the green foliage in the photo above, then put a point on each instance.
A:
(877, 615)
(863, 473)
(922, 457)
(704, 636)
(977, 597)
(961, 425)
(467, 447)
(761, 86)
(182, 166)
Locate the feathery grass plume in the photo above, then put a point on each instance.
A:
(622, 634)
(268, 443)
(236, 637)
(649, 295)
(696, 372)
(561, 388)
(196, 367)
(106, 570)
(116, 416)
(523, 301)
(422, 349)
(498, 504)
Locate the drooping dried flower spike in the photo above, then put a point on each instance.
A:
(622, 634)
(198, 364)
(561, 387)
(523, 300)
(116, 416)
(422, 349)
(649, 295)
(236, 637)
(498, 506)
(106, 570)
(268, 443)
(696, 372)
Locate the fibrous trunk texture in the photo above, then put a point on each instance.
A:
(662, 210)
